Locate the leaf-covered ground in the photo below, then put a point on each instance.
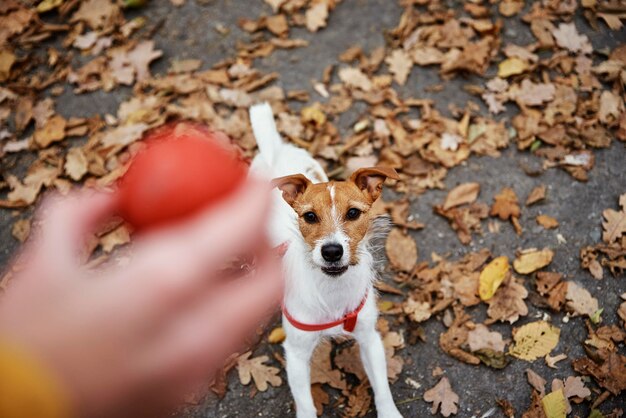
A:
(504, 118)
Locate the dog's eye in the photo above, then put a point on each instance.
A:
(310, 217)
(353, 213)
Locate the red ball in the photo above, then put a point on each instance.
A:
(183, 169)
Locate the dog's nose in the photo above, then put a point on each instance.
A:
(332, 252)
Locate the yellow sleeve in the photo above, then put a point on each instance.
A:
(27, 388)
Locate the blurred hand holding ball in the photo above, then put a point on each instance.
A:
(184, 169)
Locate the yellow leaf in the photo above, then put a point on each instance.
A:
(313, 114)
(534, 340)
(47, 5)
(532, 260)
(492, 277)
(277, 336)
(511, 66)
(554, 404)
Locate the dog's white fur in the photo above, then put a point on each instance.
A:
(311, 296)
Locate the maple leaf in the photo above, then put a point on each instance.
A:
(316, 16)
(400, 65)
(567, 36)
(505, 205)
(401, 250)
(254, 369)
(443, 395)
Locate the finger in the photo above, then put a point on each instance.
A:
(65, 223)
(178, 261)
(198, 344)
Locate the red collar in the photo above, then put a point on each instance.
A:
(348, 320)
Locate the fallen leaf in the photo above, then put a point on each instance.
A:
(417, 311)
(536, 381)
(401, 250)
(532, 260)
(462, 194)
(52, 131)
(21, 229)
(353, 77)
(574, 386)
(567, 36)
(554, 404)
(277, 24)
(277, 336)
(7, 59)
(512, 66)
(442, 395)
(316, 16)
(611, 107)
(508, 302)
(536, 195)
(548, 222)
(580, 301)
(119, 236)
(551, 361)
(320, 398)
(614, 223)
(534, 340)
(322, 370)
(254, 369)
(480, 338)
(505, 205)
(492, 276)
(76, 163)
(400, 65)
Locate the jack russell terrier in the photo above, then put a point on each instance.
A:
(328, 264)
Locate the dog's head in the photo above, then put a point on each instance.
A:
(334, 217)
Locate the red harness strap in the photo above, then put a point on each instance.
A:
(348, 320)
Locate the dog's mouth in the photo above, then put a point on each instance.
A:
(334, 271)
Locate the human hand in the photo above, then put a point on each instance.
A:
(135, 339)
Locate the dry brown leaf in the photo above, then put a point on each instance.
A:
(537, 194)
(614, 223)
(417, 311)
(52, 131)
(349, 361)
(611, 107)
(254, 369)
(277, 24)
(508, 302)
(548, 222)
(322, 370)
(537, 382)
(353, 77)
(531, 260)
(505, 205)
(96, 13)
(551, 361)
(76, 164)
(510, 8)
(7, 59)
(21, 229)
(462, 194)
(320, 398)
(574, 386)
(580, 301)
(567, 37)
(401, 250)
(400, 65)
(359, 400)
(316, 16)
(119, 236)
(480, 338)
(442, 395)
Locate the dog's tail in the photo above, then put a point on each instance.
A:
(267, 137)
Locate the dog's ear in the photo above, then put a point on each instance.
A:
(291, 186)
(370, 180)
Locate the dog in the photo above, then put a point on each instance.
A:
(328, 263)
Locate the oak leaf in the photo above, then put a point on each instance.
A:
(567, 36)
(580, 301)
(614, 223)
(442, 395)
(400, 65)
(505, 205)
(316, 16)
(353, 77)
(254, 369)
(480, 338)
(508, 302)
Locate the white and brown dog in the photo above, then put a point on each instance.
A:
(329, 267)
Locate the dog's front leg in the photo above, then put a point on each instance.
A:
(299, 347)
(373, 358)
